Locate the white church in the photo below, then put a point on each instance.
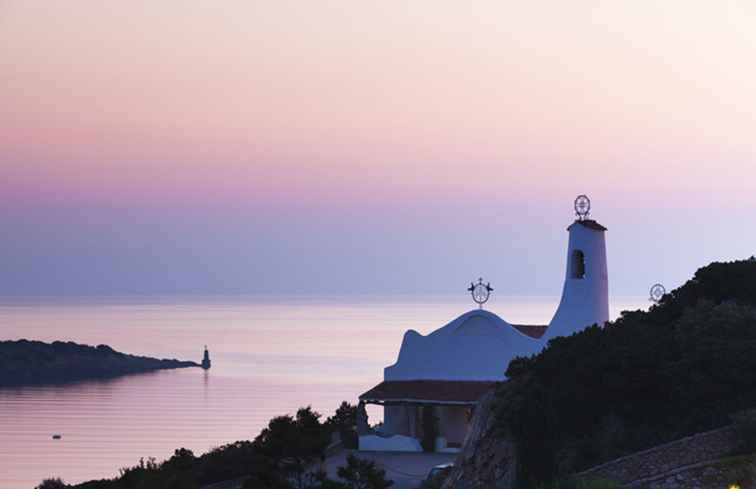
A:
(451, 368)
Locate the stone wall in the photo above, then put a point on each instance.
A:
(486, 462)
(670, 460)
(700, 461)
(717, 474)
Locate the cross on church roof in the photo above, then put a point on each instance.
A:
(480, 292)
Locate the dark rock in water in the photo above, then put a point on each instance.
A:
(26, 362)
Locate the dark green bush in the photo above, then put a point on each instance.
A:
(279, 458)
(647, 378)
(54, 483)
(745, 428)
(363, 474)
(597, 484)
(344, 423)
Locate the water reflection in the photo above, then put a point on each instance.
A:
(268, 359)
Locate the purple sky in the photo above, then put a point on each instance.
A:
(340, 146)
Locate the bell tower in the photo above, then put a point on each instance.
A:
(585, 296)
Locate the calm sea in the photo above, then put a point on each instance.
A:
(269, 357)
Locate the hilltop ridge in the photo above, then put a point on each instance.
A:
(686, 366)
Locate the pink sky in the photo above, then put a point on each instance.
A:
(378, 107)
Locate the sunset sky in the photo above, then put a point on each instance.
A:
(335, 147)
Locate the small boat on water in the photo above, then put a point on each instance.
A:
(57, 436)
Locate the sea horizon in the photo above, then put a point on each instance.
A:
(270, 357)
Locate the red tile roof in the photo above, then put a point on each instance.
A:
(440, 391)
(534, 331)
(590, 224)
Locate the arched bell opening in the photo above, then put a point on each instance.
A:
(578, 264)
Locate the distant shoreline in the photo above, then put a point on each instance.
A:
(25, 363)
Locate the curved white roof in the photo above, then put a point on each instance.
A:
(478, 345)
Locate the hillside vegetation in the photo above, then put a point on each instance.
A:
(285, 455)
(683, 367)
(26, 362)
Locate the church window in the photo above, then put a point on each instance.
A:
(578, 264)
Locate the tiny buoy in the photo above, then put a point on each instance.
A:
(57, 436)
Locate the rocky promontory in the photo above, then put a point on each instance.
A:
(25, 362)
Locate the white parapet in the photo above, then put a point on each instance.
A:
(395, 443)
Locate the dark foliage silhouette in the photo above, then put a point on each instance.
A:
(285, 455)
(683, 367)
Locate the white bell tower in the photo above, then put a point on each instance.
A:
(585, 296)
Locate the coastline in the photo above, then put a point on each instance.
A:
(25, 363)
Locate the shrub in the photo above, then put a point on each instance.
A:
(646, 378)
(294, 444)
(745, 429)
(597, 484)
(350, 439)
(52, 483)
(344, 422)
(738, 471)
(363, 474)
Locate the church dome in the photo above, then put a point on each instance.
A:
(476, 346)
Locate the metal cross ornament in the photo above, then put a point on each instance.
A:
(656, 293)
(582, 206)
(480, 292)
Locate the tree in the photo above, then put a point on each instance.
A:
(345, 416)
(52, 483)
(745, 429)
(266, 480)
(229, 462)
(646, 378)
(182, 460)
(363, 474)
(294, 444)
(344, 422)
